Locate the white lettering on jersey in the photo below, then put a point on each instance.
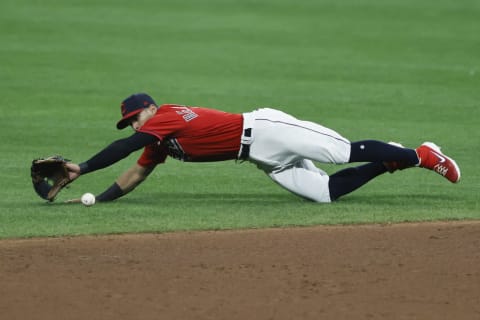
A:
(187, 113)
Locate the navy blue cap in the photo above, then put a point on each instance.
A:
(132, 106)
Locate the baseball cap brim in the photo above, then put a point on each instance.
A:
(123, 123)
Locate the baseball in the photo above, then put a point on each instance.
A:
(88, 199)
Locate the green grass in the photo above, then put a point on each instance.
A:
(406, 71)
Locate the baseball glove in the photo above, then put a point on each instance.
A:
(49, 176)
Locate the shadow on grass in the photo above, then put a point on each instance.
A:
(195, 198)
(213, 198)
(274, 198)
(399, 199)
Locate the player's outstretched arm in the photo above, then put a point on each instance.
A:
(131, 178)
(128, 181)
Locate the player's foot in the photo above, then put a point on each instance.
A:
(393, 166)
(432, 158)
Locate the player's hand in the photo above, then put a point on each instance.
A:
(78, 200)
(73, 170)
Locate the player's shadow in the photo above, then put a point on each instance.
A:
(400, 199)
(199, 198)
(193, 198)
(267, 198)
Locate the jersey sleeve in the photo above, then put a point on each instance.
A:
(152, 155)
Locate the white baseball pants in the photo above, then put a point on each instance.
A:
(284, 148)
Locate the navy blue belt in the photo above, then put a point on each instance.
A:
(245, 148)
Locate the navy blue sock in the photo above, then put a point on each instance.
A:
(350, 179)
(377, 151)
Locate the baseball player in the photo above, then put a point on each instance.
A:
(279, 144)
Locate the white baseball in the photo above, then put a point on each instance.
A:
(88, 199)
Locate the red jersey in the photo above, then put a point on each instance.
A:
(192, 134)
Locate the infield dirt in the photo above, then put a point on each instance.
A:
(405, 271)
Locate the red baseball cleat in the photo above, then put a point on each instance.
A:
(432, 158)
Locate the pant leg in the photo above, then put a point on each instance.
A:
(304, 179)
(280, 140)
(350, 179)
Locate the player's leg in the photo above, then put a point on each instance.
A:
(350, 179)
(304, 179)
(428, 156)
(280, 140)
(395, 156)
(378, 151)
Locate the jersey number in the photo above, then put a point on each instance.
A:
(187, 114)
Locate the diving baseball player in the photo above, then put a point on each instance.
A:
(279, 144)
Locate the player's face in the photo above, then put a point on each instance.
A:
(142, 117)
